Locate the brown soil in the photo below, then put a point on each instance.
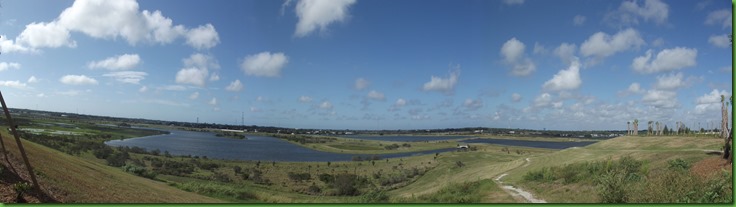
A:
(711, 166)
(14, 172)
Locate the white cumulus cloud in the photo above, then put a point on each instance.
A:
(235, 86)
(77, 80)
(515, 97)
(194, 95)
(669, 82)
(132, 77)
(721, 41)
(213, 101)
(578, 20)
(10, 46)
(565, 52)
(513, 54)
(710, 102)
(318, 14)
(400, 102)
(443, 85)
(305, 99)
(601, 45)
(13, 84)
(8, 66)
(722, 17)
(196, 69)
(39, 35)
(203, 37)
(325, 105)
(473, 104)
(652, 10)
(660, 98)
(111, 20)
(32, 79)
(121, 62)
(375, 95)
(566, 79)
(361, 83)
(264, 64)
(666, 60)
(635, 88)
(512, 2)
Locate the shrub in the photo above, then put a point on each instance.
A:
(314, 189)
(347, 184)
(117, 159)
(678, 164)
(326, 178)
(217, 190)
(375, 196)
(391, 147)
(297, 177)
(139, 171)
(459, 163)
(612, 187)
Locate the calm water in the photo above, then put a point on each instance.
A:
(537, 144)
(274, 149)
(253, 148)
(404, 138)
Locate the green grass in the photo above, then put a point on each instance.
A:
(467, 192)
(654, 151)
(354, 146)
(81, 180)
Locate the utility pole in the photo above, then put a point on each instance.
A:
(22, 150)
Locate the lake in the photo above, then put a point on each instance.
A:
(536, 144)
(400, 138)
(265, 148)
(254, 148)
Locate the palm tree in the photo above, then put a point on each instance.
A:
(649, 128)
(724, 118)
(636, 127)
(725, 132)
(628, 128)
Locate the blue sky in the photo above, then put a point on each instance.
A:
(351, 64)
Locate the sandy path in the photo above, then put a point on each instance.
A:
(516, 192)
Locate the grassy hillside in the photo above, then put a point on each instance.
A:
(654, 152)
(85, 181)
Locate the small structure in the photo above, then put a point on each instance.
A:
(465, 146)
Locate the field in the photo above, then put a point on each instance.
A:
(73, 166)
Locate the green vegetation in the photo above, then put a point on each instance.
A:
(625, 169)
(637, 170)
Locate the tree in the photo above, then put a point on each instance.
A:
(628, 128)
(636, 127)
(665, 130)
(725, 132)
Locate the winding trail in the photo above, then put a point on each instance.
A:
(516, 192)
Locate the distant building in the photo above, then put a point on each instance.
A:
(465, 146)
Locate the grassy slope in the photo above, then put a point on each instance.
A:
(656, 151)
(486, 163)
(86, 181)
(358, 146)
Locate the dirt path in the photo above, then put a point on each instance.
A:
(518, 192)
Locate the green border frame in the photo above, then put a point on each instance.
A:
(733, 88)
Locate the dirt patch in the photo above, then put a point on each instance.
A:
(13, 172)
(711, 166)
